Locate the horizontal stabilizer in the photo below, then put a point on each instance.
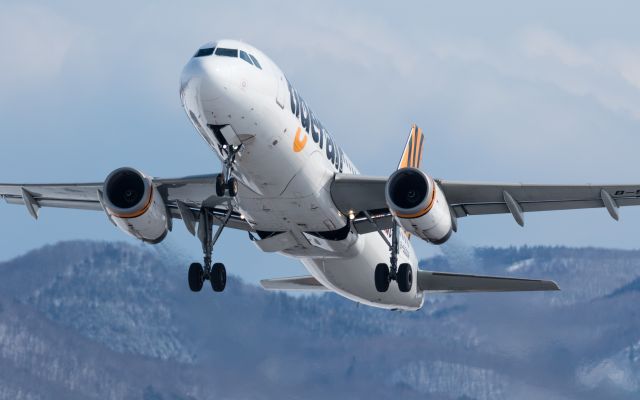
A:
(449, 282)
(294, 283)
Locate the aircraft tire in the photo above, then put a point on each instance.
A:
(220, 185)
(405, 277)
(232, 186)
(382, 277)
(195, 277)
(218, 277)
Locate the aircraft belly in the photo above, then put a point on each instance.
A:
(295, 191)
(352, 277)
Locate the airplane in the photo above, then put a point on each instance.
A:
(286, 182)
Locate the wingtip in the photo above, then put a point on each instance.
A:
(553, 286)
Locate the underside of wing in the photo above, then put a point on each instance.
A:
(82, 196)
(468, 198)
(307, 283)
(450, 282)
(356, 193)
(179, 195)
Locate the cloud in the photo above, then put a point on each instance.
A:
(542, 43)
(34, 43)
(607, 71)
(626, 60)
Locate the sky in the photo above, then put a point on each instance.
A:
(507, 92)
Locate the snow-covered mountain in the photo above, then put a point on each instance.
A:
(84, 320)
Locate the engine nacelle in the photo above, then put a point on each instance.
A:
(419, 205)
(135, 205)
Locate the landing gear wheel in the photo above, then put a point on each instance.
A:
(232, 185)
(195, 277)
(220, 185)
(382, 277)
(404, 277)
(218, 277)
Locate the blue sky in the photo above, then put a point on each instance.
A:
(540, 93)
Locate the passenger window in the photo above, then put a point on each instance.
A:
(245, 57)
(204, 52)
(255, 62)
(220, 51)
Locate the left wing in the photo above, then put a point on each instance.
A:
(192, 191)
(355, 193)
(83, 196)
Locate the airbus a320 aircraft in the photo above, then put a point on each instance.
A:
(287, 183)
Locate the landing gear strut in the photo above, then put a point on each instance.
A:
(225, 181)
(216, 273)
(384, 273)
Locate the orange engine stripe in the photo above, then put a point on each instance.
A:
(137, 213)
(421, 212)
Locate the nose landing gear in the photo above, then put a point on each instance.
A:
(221, 185)
(225, 181)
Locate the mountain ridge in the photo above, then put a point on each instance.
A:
(113, 320)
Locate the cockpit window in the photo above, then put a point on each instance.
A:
(204, 52)
(255, 62)
(245, 57)
(221, 51)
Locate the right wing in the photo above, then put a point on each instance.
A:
(357, 193)
(469, 198)
(192, 192)
(452, 283)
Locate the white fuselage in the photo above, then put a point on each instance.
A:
(285, 167)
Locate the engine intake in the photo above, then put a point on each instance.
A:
(135, 205)
(419, 205)
(127, 192)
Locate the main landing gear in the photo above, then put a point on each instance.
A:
(384, 273)
(215, 273)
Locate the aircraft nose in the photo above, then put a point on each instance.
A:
(206, 78)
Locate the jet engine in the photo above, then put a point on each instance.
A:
(135, 206)
(419, 205)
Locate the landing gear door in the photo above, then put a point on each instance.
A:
(281, 95)
(230, 135)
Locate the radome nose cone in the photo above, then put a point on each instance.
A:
(208, 76)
